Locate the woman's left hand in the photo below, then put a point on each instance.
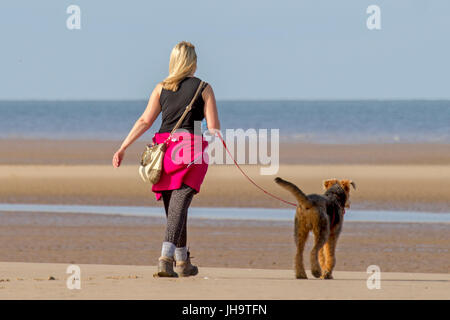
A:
(117, 158)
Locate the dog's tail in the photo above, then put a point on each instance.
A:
(302, 199)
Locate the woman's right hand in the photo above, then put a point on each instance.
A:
(117, 158)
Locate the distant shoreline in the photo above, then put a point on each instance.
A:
(82, 151)
(242, 100)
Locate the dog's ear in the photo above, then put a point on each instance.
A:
(328, 183)
(346, 183)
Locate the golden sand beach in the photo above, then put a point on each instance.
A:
(409, 187)
(410, 177)
(31, 281)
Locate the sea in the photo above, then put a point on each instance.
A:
(325, 122)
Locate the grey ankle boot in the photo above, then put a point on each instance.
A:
(165, 268)
(185, 268)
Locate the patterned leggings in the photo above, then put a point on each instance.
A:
(176, 204)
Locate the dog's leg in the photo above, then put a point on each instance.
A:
(301, 236)
(330, 257)
(321, 232)
(322, 257)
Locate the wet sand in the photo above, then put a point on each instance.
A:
(112, 239)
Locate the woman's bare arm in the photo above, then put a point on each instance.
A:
(210, 110)
(144, 122)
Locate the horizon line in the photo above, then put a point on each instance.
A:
(234, 100)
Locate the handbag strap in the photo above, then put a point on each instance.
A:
(188, 108)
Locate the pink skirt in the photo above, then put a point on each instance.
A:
(185, 161)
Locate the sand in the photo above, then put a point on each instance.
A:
(125, 240)
(240, 259)
(404, 187)
(391, 176)
(30, 281)
(41, 151)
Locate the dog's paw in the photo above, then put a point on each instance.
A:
(316, 273)
(301, 276)
(326, 275)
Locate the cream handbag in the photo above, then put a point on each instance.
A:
(153, 156)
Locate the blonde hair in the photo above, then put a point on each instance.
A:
(183, 62)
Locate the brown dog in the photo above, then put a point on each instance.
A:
(324, 215)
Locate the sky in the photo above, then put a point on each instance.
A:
(247, 49)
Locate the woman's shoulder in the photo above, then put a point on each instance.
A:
(197, 79)
(159, 88)
(188, 82)
(196, 82)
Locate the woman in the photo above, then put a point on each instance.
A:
(176, 186)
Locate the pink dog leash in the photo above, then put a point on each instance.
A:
(250, 179)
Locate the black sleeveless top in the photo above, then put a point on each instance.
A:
(173, 105)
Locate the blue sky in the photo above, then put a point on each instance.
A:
(247, 49)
